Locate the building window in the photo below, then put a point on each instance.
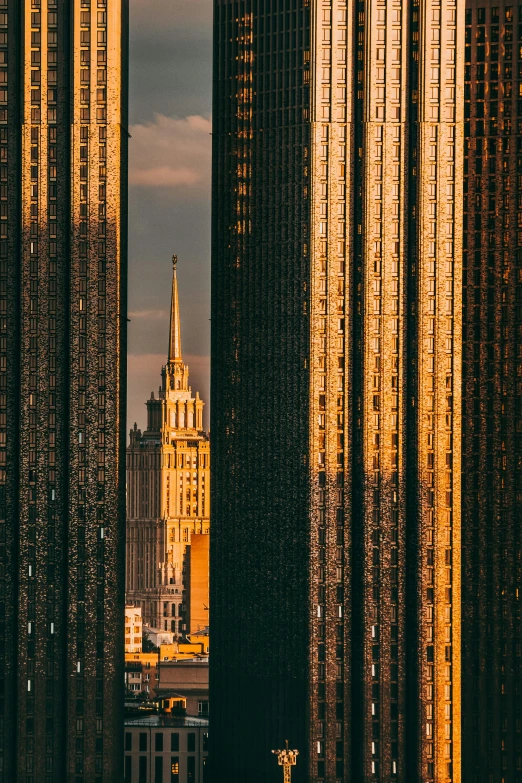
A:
(191, 742)
(158, 742)
(142, 774)
(158, 765)
(174, 769)
(174, 741)
(203, 707)
(128, 740)
(191, 769)
(143, 741)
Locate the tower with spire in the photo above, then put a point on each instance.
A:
(168, 496)
(175, 411)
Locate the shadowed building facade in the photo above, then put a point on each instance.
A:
(168, 493)
(63, 152)
(492, 406)
(336, 381)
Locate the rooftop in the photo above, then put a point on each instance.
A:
(164, 721)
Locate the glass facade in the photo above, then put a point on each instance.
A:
(337, 343)
(492, 633)
(62, 332)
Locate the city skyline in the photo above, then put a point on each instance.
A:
(362, 511)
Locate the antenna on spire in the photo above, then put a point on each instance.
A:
(175, 327)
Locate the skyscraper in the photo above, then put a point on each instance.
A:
(63, 151)
(168, 492)
(336, 376)
(492, 424)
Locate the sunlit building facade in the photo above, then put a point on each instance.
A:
(168, 493)
(133, 629)
(197, 581)
(336, 375)
(63, 153)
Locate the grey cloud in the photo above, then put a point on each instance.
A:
(183, 13)
(170, 152)
(171, 43)
(171, 51)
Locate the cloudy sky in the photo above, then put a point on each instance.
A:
(169, 209)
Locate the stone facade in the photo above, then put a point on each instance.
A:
(197, 579)
(133, 629)
(168, 492)
(159, 748)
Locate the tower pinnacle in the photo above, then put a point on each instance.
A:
(175, 328)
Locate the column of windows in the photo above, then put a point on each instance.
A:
(439, 405)
(320, 385)
(3, 63)
(81, 445)
(5, 351)
(339, 281)
(493, 65)
(39, 408)
(329, 313)
(98, 293)
(373, 391)
(428, 570)
(49, 84)
(383, 229)
(101, 168)
(37, 147)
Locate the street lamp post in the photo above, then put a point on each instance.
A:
(287, 759)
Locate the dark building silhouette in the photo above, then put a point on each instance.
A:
(63, 163)
(492, 406)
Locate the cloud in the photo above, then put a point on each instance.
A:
(148, 314)
(165, 177)
(172, 153)
(185, 13)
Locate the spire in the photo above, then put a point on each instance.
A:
(175, 329)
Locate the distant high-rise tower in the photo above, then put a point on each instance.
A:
(63, 195)
(336, 378)
(168, 492)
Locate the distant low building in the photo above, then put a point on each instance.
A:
(159, 748)
(158, 637)
(196, 643)
(133, 629)
(143, 669)
(196, 596)
(189, 679)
